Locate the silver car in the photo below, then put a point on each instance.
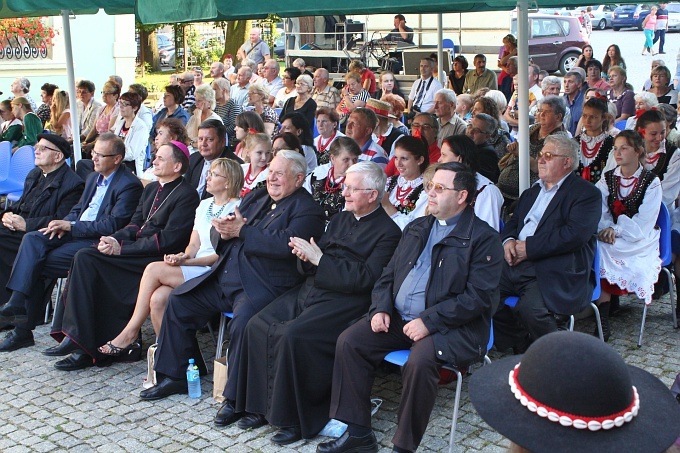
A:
(600, 16)
(673, 16)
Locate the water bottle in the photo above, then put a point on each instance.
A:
(193, 380)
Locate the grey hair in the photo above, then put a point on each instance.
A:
(207, 93)
(660, 61)
(499, 98)
(246, 69)
(574, 73)
(299, 62)
(304, 78)
(374, 176)
(515, 60)
(249, 63)
(550, 80)
(565, 145)
(450, 95)
(556, 103)
(669, 112)
(298, 164)
(25, 84)
(648, 98)
(323, 71)
(222, 83)
(490, 121)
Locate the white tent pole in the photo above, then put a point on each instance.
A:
(523, 92)
(440, 50)
(75, 122)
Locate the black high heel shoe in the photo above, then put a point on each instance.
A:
(128, 353)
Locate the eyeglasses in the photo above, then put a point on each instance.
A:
(41, 148)
(212, 174)
(96, 155)
(124, 104)
(438, 188)
(476, 130)
(352, 189)
(548, 156)
(108, 92)
(421, 126)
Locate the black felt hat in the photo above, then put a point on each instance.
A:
(58, 141)
(568, 387)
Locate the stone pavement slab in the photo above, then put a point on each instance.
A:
(98, 409)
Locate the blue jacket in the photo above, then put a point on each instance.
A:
(116, 208)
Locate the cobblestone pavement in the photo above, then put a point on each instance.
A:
(98, 409)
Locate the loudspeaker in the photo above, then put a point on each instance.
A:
(412, 57)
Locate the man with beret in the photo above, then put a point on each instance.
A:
(50, 191)
(107, 204)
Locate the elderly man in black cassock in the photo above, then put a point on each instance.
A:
(104, 281)
(287, 360)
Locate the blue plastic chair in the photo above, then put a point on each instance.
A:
(22, 162)
(315, 131)
(5, 159)
(511, 301)
(147, 161)
(663, 222)
(220, 334)
(621, 125)
(401, 357)
(12, 198)
(447, 43)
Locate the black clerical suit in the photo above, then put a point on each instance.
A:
(102, 289)
(460, 298)
(251, 271)
(45, 198)
(41, 257)
(286, 366)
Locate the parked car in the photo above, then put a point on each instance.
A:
(630, 16)
(600, 16)
(555, 42)
(673, 16)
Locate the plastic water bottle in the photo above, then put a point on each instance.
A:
(193, 380)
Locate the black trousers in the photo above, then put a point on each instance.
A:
(530, 316)
(9, 245)
(42, 258)
(359, 352)
(188, 312)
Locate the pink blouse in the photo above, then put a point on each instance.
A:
(104, 120)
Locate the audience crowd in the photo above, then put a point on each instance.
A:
(336, 224)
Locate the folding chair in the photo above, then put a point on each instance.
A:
(401, 357)
(220, 334)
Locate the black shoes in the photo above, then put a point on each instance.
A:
(285, 436)
(165, 387)
(66, 347)
(75, 361)
(347, 443)
(13, 314)
(252, 421)
(14, 340)
(227, 415)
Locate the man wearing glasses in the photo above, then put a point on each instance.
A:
(107, 204)
(549, 246)
(480, 129)
(435, 297)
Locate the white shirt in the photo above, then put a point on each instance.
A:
(427, 99)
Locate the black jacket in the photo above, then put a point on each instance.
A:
(54, 202)
(193, 174)
(462, 290)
